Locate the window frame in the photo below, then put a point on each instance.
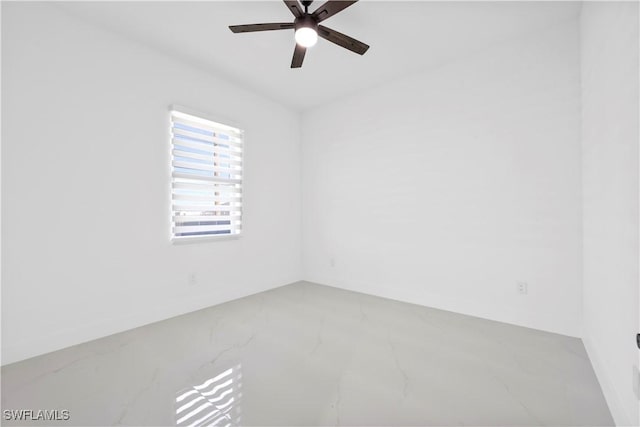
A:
(223, 122)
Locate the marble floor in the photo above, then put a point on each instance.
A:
(306, 354)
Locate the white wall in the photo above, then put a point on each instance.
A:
(85, 186)
(609, 34)
(448, 187)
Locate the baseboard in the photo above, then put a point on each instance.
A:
(620, 416)
(464, 306)
(86, 332)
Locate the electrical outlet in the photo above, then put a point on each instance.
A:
(192, 280)
(523, 288)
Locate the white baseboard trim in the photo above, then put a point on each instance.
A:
(458, 305)
(620, 416)
(101, 328)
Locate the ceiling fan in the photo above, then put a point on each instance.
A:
(307, 28)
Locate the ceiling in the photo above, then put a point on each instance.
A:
(405, 38)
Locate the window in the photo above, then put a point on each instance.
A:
(206, 178)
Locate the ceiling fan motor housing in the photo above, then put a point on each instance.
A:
(306, 21)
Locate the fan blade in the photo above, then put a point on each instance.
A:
(342, 40)
(295, 8)
(330, 8)
(298, 56)
(261, 27)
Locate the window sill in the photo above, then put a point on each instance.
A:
(202, 239)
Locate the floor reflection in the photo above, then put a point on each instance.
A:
(215, 402)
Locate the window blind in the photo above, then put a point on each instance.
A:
(206, 177)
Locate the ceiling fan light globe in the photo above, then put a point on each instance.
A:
(306, 37)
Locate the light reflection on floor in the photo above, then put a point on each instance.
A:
(214, 402)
